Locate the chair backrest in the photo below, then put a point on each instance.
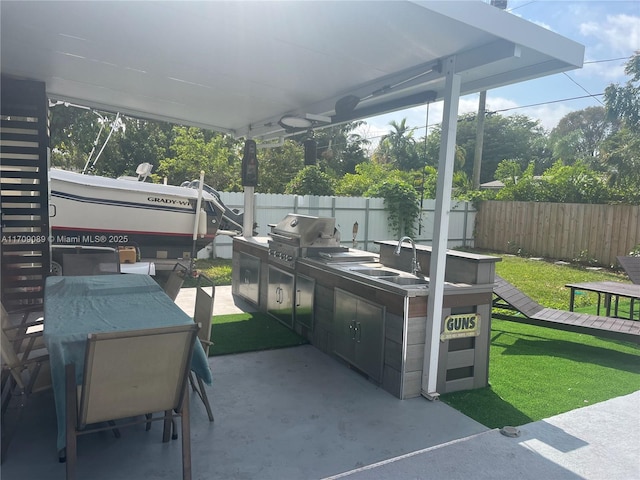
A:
(203, 315)
(10, 358)
(4, 317)
(22, 336)
(104, 263)
(631, 266)
(31, 374)
(175, 280)
(135, 372)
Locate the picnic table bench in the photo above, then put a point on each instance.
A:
(610, 290)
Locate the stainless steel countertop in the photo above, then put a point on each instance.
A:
(348, 270)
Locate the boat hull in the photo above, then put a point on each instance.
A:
(158, 220)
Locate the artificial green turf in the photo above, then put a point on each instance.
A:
(537, 372)
(248, 332)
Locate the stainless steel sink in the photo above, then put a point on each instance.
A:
(406, 280)
(374, 272)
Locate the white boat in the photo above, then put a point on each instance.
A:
(159, 220)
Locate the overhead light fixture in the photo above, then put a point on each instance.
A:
(292, 123)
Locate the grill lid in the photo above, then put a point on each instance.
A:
(308, 231)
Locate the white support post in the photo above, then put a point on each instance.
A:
(196, 224)
(441, 229)
(249, 201)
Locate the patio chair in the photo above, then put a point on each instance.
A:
(124, 377)
(29, 373)
(23, 375)
(104, 263)
(203, 315)
(25, 334)
(175, 280)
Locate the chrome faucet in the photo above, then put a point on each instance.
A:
(414, 263)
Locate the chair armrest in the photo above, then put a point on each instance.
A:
(35, 326)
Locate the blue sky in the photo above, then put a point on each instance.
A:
(609, 30)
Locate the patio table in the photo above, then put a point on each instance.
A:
(609, 290)
(77, 306)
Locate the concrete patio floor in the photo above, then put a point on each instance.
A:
(296, 413)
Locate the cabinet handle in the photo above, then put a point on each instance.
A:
(358, 332)
(354, 331)
(297, 298)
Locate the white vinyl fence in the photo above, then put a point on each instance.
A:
(369, 213)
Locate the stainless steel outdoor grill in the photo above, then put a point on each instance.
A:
(302, 236)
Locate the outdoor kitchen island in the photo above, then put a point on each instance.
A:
(370, 312)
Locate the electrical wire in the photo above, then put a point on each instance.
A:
(591, 95)
(581, 87)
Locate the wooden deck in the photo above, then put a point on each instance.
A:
(511, 298)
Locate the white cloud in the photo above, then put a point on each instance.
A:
(619, 33)
(608, 71)
(549, 114)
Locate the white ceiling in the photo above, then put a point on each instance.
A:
(238, 66)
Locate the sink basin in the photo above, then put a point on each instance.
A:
(374, 272)
(407, 281)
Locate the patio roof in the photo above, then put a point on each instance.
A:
(238, 67)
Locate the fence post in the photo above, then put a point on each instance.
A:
(464, 226)
(366, 225)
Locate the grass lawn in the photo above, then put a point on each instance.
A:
(217, 269)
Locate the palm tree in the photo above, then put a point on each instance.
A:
(401, 146)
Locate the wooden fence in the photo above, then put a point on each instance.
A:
(559, 230)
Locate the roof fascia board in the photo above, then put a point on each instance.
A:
(522, 74)
(486, 55)
(136, 113)
(485, 17)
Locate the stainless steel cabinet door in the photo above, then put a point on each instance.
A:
(370, 338)
(359, 332)
(249, 277)
(280, 295)
(305, 287)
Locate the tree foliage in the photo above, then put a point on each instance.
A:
(310, 181)
(561, 183)
(278, 166)
(515, 137)
(508, 172)
(623, 102)
(194, 150)
(340, 148)
(402, 203)
(75, 133)
(398, 147)
(367, 176)
(579, 134)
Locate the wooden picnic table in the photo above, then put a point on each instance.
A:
(609, 290)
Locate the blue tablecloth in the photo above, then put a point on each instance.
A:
(77, 306)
